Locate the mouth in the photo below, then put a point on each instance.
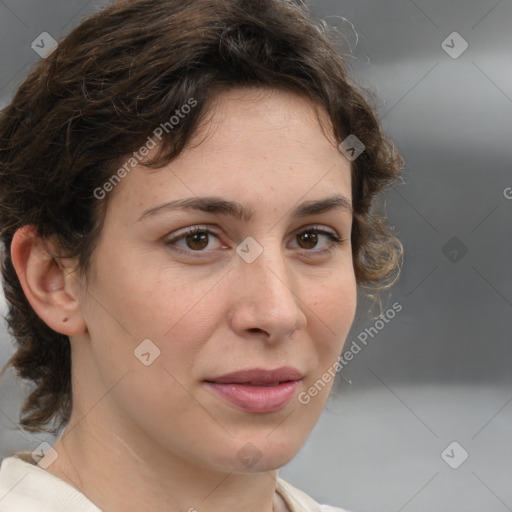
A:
(259, 376)
(264, 384)
(257, 390)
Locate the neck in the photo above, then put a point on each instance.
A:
(117, 473)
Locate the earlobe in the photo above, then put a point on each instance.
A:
(47, 283)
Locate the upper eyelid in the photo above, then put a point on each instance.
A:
(185, 231)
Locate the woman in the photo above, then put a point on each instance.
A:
(186, 212)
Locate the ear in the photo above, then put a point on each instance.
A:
(49, 284)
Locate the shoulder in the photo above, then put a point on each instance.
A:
(329, 508)
(299, 501)
(26, 486)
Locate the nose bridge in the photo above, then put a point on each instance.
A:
(268, 296)
(274, 282)
(273, 268)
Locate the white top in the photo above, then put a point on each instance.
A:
(26, 487)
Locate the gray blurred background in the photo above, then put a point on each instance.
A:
(422, 418)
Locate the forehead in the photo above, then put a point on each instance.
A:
(254, 145)
(263, 119)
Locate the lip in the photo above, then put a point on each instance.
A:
(259, 375)
(273, 389)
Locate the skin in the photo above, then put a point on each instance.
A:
(155, 437)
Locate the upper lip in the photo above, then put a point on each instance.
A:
(259, 376)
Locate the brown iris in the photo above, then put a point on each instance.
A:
(197, 241)
(310, 238)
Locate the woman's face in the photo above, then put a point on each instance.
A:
(262, 292)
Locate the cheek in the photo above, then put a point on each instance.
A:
(333, 303)
(148, 299)
(331, 312)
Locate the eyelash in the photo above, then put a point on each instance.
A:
(335, 240)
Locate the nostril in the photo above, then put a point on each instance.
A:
(256, 329)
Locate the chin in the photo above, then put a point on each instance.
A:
(261, 455)
(249, 453)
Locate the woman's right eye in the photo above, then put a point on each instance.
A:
(195, 240)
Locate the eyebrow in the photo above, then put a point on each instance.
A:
(218, 205)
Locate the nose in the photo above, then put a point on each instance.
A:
(265, 298)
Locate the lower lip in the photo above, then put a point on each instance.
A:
(257, 399)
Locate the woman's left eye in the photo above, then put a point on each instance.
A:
(311, 236)
(198, 239)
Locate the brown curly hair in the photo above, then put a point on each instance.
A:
(103, 91)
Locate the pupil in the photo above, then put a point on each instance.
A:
(310, 238)
(197, 241)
